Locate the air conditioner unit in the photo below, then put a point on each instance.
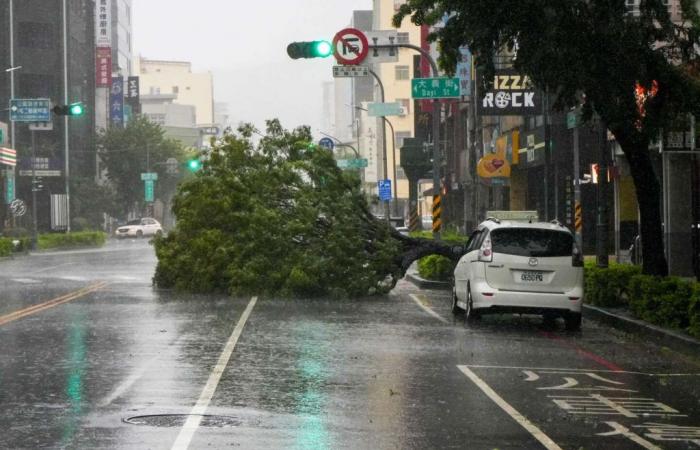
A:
(403, 111)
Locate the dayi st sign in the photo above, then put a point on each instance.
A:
(512, 94)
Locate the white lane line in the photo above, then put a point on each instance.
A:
(428, 310)
(195, 417)
(548, 443)
(561, 369)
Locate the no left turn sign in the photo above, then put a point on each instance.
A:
(350, 46)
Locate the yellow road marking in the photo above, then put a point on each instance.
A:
(11, 317)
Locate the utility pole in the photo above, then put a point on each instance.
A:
(34, 187)
(66, 139)
(602, 197)
(387, 205)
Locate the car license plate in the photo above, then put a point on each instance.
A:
(531, 277)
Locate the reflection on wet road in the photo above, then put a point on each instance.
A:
(91, 356)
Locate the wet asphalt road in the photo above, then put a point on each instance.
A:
(91, 356)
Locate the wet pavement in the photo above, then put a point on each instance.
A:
(91, 356)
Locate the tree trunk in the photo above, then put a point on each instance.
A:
(648, 190)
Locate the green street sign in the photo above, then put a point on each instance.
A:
(9, 187)
(429, 88)
(149, 176)
(149, 185)
(351, 163)
(2, 136)
(572, 119)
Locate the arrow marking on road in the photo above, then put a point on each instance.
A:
(195, 416)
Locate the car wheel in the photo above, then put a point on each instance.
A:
(549, 320)
(456, 310)
(572, 321)
(471, 315)
(139, 234)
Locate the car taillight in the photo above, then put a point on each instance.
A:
(486, 252)
(576, 256)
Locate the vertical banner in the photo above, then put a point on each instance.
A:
(103, 23)
(464, 72)
(9, 186)
(116, 102)
(103, 61)
(133, 94)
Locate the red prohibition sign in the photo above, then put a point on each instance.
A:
(354, 46)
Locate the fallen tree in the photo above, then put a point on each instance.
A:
(279, 218)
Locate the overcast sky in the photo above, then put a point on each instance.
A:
(243, 43)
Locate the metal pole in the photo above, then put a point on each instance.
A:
(436, 118)
(65, 118)
(12, 72)
(387, 205)
(393, 152)
(34, 220)
(578, 208)
(602, 222)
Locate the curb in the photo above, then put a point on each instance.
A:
(662, 336)
(428, 284)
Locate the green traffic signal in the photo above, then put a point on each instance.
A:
(74, 109)
(194, 165)
(312, 49)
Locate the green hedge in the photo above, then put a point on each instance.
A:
(609, 287)
(671, 302)
(5, 247)
(436, 267)
(72, 240)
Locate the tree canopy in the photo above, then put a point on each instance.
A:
(592, 51)
(138, 147)
(279, 217)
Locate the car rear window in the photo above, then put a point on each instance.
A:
(134, 222)
(532, 242)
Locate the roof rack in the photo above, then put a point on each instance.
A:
(493, 219)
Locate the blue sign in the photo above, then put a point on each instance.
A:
(326, 143)
(30, 110)
(384, 190)
(464, 71)
(116, 102)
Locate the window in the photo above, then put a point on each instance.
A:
(176, 90)
(406, 105)
(35, 35)
(400, 174)
(532, 242)
(402, 38)
(402, 73)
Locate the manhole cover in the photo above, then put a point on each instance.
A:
(178, 420)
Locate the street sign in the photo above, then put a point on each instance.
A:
(149, 176)
(384, 190)
(350, 46)
(572, 119)
(385, 109)
(463, 71)
(430, 88)
(350, 71)
(8, 157)
(30, 110)
(357, 163)
(3, 132)
(41, 126)
(382, 55)
(18, 208)
(40, 173)
(149, 188)
(326, 143)
(9, 187)
(209, 130)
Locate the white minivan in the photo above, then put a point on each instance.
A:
(531, 268)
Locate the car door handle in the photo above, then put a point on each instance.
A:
(495, 266)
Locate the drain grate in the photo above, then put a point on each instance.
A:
(178, 420)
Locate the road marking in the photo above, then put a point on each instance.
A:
(561, 369)
(195, 416)
(427, 309)
(545, 440)
(583, 352)
(47, 269)
(11, 317)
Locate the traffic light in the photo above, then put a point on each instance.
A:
(194, 165)
(313, 49)
(74, 109)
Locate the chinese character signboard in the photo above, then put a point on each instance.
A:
(41, 167)
(103, 61)
(133, 95)
(103, 23)
(30, 110)
(512, 94)
(116, 102)
(464, 71)
(435, 88)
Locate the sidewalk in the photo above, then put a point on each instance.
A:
(618, 318)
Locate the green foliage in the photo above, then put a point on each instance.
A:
(127, 152)
(89, 201)
(448, 236)
(277, 218)
(608, 287)
(694, 312)
(662, 301)
(5, 247)
(71, 240)
(436, 268)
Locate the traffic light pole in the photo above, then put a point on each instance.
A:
(34, 220)
(387, 204)
(66, 139)
(436, 119)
